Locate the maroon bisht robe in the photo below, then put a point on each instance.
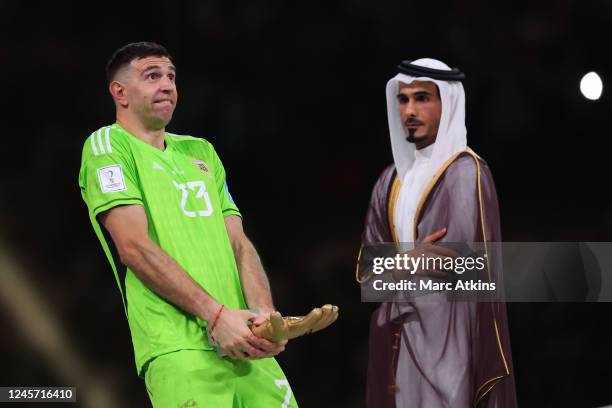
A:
(449, 353)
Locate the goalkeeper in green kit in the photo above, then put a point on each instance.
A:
(198, 302)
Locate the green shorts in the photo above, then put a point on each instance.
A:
(200, 378)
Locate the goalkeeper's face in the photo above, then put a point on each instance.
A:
(151, 92)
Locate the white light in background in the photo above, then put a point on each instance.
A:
(591, 86)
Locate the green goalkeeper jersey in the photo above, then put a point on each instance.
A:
(184, 194)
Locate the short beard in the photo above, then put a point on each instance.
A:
(410, 138)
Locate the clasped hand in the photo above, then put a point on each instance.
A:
(427, 250)
(234, 337)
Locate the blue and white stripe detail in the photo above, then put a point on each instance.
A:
(228, 194)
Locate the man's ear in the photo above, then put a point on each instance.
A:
(118, 92)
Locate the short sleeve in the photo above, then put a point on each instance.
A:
(108, 175)
(228, 205)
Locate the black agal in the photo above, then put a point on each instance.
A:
(406, 67)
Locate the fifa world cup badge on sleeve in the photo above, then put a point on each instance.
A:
(111, 179)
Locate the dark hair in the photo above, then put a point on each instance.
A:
(126, 54)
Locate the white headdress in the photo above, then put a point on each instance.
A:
(451, 137)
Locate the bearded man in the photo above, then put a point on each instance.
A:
(447, 353)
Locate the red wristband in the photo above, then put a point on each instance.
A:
(216, 320)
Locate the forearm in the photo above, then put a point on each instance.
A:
(160, 273)
(255, 284)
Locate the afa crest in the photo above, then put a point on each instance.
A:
(201, 165)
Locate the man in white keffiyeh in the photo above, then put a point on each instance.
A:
(414, 108)
(444, 354)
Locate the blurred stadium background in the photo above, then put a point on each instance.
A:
(292, 96)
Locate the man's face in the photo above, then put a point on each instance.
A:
(420, 110)
(150, 90)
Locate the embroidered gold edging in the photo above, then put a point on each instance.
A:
(428, 189)
(481, 209)
(357, 270)
(395, 190)
(484, 238)
(479, 396)
(501, 350)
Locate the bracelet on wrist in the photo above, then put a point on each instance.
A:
(212, 327)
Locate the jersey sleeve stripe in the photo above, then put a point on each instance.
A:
(93, 143)
(99, 134)
(107, 137)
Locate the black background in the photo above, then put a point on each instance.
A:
(292, 96)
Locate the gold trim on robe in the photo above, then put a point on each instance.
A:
(393, 197)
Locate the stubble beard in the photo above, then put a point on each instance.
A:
(157, 120)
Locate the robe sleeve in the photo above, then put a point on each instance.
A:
(384, 331)
(377, 227)
(461, 203)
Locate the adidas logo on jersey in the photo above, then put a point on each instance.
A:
(156, 166)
